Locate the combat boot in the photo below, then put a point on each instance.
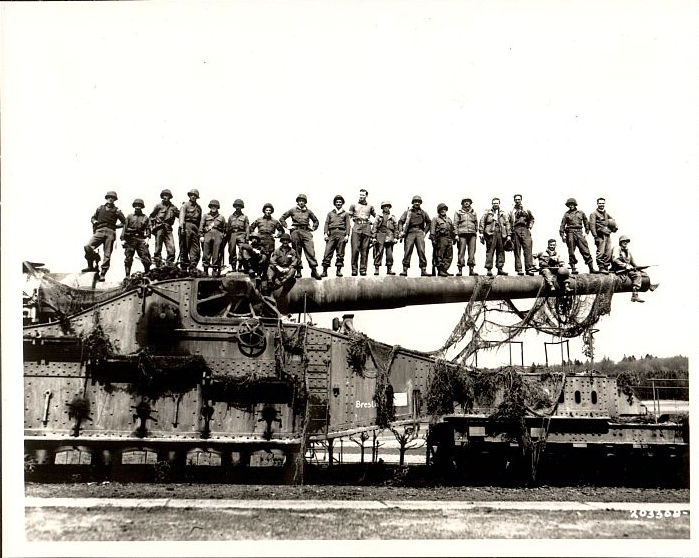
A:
(423, 272)
(635, 297)
(501, 272)
(298, 273)
(325, 271)
(471, 271)
(603, 269)
(101, 277)
(376, 270)
(458, 273)
(363, 273)
(314, 274)
(531, 271)
(89, 267)
(573, 271)
(338, 273)
(127, 270)
(404, 273)
(443, 273)
(216, 272)
(388, 270)
(490, 273)
(592, 268)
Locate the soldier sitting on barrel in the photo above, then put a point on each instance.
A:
(135, 237)
(553, 268)
(624, 264)
(254, 257)
(282, 265)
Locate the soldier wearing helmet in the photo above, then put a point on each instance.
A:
(553, 269)
(267, 226)
(466, 228)
(237, 231)
(384, 233)
(191, 222)
(212, 232)
(413, 225)
(162, 221)
(104, 225)
(495, 230)
(573, 224)
(361, 213)
(443, 238)
(303, 223)
(623, 263)
(282, 266)
(336, 233)
(602, 225)
(135, 237)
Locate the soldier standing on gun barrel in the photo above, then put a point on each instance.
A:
(413, 224)
(335, 233)
(162, 219)
(553, 268)
(383, 233)
(601, 226)
(237, 232)
(522, 221)
(191, 217)
(573, 224)
(104, 225)
(135, 237)
(361, 212)
(213, 232)
(443, 239)
(624, 264)
(302, 233)
(494, 230)
(267, 226)
(466, 228)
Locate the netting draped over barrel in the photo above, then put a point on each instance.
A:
(491, 324)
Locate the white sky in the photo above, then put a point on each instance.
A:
(263, 100)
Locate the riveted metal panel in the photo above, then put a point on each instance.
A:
(54, 370)
(236, 367)
(62, 391)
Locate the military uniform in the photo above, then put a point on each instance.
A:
(162, 220)
(466, 228)
(266, 226)
(521, 222)
(622, 261)
(282, 267)
(255, 259)
(104, 225)
(443, 237)
(237, 231)
(415, 222)
(191, 221)
(552, 266)
(495, 228)
(361, 212)
(302, 234)
(573, 224)
(384, 231)
(601, 232)
(214, 229)
(135, 236)
(337, 226)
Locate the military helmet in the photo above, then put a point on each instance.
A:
(624, 238)
(193, 191)
(214, 203)
(238, 203)
(563, 272)
(611, 223)
(442, 206)
(138, 202)
(167, 193)
(416, 199)
(254, 234)
(571, 200)
(285, 236)
(469, 200)
(265, 206)
(385, 203)
(338, 197)
(302, 197)
(111, 194)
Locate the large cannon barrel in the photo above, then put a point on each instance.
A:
(377, 293)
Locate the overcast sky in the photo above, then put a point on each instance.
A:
(264, 100)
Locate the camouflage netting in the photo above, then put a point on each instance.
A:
(563, 316)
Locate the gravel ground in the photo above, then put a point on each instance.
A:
(285, 492)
